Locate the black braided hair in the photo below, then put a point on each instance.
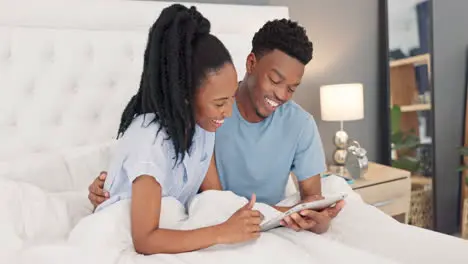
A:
(179, 54)
(284, 35)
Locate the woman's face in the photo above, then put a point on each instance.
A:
(214, 98)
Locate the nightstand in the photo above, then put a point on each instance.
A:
(386, 188)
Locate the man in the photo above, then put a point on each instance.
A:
(268, 136)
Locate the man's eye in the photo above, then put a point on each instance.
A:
(274, 82)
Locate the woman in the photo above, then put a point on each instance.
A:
(167, 134)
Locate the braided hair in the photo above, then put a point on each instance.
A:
(284, 35)
(180, 52)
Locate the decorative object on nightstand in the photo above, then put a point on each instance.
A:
(356, 160)
(341, 102)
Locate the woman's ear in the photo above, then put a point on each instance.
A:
(250, 63)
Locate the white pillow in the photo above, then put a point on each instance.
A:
(68, 170)
(32, 216)
(44, 196)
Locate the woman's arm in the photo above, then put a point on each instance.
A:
(148, 238)
(211, 181)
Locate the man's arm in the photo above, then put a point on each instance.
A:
(310, 187)
(97, 194)
(315, 221)
(309, 190)
(308, 163)
(211, 181)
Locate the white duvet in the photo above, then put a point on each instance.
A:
(40, 227)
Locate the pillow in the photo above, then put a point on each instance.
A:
(68, 170)
(30, 215)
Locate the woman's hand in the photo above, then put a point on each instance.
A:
(242, 226)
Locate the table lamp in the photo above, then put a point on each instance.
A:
(341, 102)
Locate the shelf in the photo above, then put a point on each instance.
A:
(421, 180)
(415, 107)
(416, 60)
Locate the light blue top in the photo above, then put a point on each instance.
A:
(258, 157)
(141, 152)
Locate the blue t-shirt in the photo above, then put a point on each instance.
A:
(258, 157)
(141, 152)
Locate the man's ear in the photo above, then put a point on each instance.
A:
(250, 63)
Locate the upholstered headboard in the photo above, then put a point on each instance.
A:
(67, 68)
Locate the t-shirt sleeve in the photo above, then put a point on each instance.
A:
(309, 158)
(146, 155)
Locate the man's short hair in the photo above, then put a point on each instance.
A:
(284, 35)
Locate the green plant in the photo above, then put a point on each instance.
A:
(464, 152)
(403, 143)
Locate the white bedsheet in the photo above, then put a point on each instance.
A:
(360, 233)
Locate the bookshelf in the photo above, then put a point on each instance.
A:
(404, 92)
(404, 89)
(423, 59)
(415, 107)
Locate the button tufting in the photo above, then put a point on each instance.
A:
(37, 149)
(89, 53)
(13, 123)
(81, 142)
(129, 51)
(57, 120)
(6, 55)
(29, 90)
(49, 54)
(74, 87)
(111, 83)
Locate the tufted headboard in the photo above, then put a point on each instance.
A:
(67, 68)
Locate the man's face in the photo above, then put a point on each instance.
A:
(272, 80)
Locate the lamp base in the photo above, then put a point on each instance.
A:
(341, 141)
(339, 171)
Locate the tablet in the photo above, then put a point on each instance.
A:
(315, 205)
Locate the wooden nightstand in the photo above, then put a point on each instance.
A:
(386, 188)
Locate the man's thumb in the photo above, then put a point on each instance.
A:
(251, 203)
(102, 175)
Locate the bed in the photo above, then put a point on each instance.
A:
(67, 68)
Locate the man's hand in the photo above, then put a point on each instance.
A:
(97, 195)
(317, 222)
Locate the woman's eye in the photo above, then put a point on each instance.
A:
(220, 105)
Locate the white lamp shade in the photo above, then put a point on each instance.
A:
(342, 102)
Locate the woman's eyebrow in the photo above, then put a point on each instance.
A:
(222, 98)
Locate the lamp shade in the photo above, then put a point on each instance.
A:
(342, 102)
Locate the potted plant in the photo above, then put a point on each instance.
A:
(404, 144)
(464, 225)
(464, 152)
(404, 149)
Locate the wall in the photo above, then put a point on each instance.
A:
(449, 44)
(345, 35)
